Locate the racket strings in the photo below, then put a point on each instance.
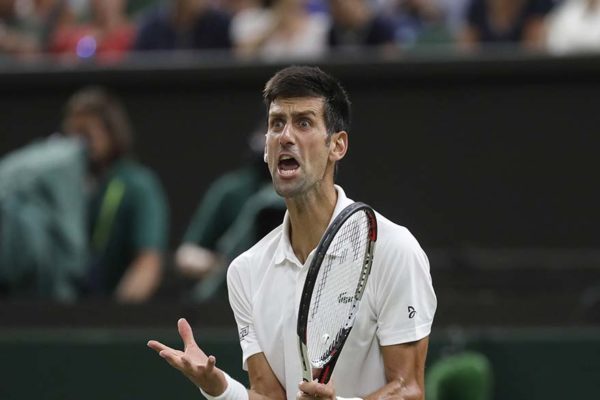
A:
(334, 304)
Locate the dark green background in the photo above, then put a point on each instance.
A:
(529, 364)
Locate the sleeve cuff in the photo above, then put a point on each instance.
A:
(405, 336)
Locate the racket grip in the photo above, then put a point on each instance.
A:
(305, 362)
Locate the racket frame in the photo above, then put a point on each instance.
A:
(310, 282)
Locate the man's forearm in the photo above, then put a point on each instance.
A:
(397, 389)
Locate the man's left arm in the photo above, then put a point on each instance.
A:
(404, 373)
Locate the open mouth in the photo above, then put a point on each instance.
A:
(287, 165)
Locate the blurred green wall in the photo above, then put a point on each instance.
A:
(533, 364)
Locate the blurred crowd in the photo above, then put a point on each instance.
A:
(81, 217)
(111, 30)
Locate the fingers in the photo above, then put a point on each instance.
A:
(203, 369)
(173, 361)
(175, 358)
(193, 362)
(185, 331)
(398, 386)
(186, 362)
(315, 389)
(157, 346)
(303, 396)
(210, 364)
(171, 355)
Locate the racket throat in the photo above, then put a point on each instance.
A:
(327, 370)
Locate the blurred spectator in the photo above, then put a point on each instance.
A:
(27, 25)
(574, 27)
(239, 208)
(355, 25)
(454, 13)
(42, 220)
(183, 25)
(106, 37)
(250, 17)
(416, 21)
(516, 22)
(127, 207)
(289, 31)
(136, 7)
(234, 7)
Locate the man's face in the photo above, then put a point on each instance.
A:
(297, 146)
(92, 129)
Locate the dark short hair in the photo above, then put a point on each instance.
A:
(307, 81)
(97, 101)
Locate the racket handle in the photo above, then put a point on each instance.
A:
(305, 362)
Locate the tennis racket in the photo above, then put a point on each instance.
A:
(334, 286)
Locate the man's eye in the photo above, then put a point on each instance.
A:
(277, 125)
(304, 123)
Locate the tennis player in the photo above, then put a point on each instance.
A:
(384, 356)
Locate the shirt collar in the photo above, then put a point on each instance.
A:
(284, 249)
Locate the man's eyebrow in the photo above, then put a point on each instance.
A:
(295, 114)
(304, 113)
(276, 114)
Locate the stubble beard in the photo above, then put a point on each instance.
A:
(289, 189)
(299, 188)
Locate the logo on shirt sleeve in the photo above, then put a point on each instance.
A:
(244, 332)
(411, 312)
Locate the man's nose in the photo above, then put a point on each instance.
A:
(287, 136)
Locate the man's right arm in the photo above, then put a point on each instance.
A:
(202, 371)
(263, 382)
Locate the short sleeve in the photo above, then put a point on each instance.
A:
(405, 300)
(241, 304)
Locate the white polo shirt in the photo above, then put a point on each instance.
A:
(398, 305)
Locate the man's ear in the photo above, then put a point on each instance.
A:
(338, 145)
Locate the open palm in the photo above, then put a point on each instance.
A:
(192, 361)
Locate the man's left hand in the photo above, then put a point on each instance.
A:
(315, 390)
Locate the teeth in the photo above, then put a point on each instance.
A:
(283, 158)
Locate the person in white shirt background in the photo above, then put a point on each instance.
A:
(574, 26)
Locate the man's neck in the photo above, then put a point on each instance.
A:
(309, 216)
